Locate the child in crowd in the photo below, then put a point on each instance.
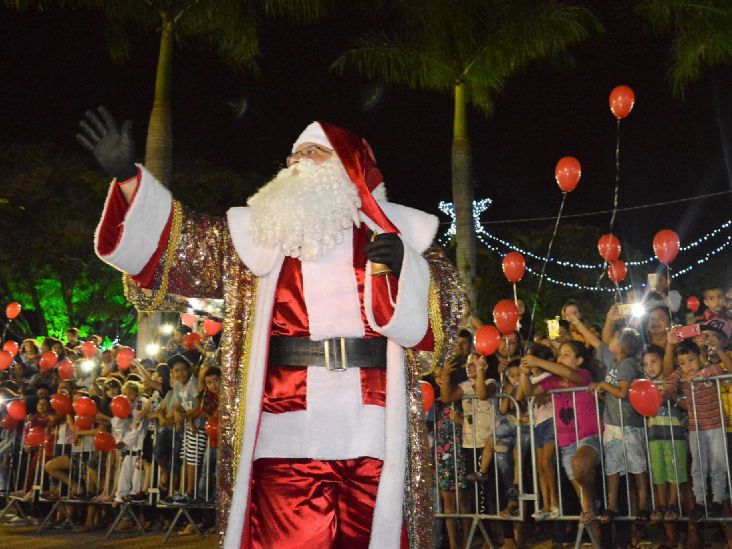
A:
(544, 439)
(575, 420)
(706, 432)
(715, 313)
(623, 438)
(41, 419)
(129, 435)
(208, 408)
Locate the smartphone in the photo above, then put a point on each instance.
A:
(552, 326)
(625, 309)
(687, 332)
(652, 282)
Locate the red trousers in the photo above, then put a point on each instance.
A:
(310, 504)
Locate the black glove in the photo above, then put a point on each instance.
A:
(113, 147)
(387, 248)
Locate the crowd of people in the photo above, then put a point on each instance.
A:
(572, 389)
(161, 453)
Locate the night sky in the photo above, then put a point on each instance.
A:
(56, 67)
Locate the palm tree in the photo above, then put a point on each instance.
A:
(701, 32)
(470, 49)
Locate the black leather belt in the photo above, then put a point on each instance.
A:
(335, 354)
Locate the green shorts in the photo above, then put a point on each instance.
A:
(664, 454)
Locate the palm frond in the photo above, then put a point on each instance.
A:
(297, 11)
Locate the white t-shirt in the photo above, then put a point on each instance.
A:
(478, 415)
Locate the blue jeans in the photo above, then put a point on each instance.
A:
(708, 461)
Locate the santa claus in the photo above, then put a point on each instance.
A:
(325, 291)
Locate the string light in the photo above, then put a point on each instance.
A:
(480, 206)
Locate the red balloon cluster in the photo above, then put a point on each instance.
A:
(89, 350)
(212, 431)
(617, 271)
(84, 406)
(48, 360)
(35, 437)
(693, 303)
(645, 397)
(13, 310)
(12, 347)
(567, 173)
(17, 410)
(487, 340)
(506, 316)
(622, 99)
(428, 395)
(9, 423)
(124, 358)
(190, 341)
(65, 370)
(188, 319)
(609, 247)
(61, 404)
(666, 245)
(514, 266)
(6, 359)
(212, 327)
(104, 442)
(120, 406)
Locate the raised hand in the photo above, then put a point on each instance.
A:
(387, 248)
(112, 146)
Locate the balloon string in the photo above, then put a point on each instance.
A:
(546, 259)
(617, 177)
(515, 296)
(668, 278)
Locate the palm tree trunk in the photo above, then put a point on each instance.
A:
(159, 148)
(462, 194)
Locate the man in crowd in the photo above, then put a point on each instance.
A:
(324, 286)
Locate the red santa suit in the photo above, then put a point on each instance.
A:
(322, 456)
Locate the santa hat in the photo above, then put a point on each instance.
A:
(358, 160)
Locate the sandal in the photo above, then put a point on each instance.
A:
(608, 515)
(511, 510)
(671, 514)
(658, 514)
(586, 517)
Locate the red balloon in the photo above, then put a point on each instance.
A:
(506, 316)
(84, 406)
(622, 99)
(567, 173)
(35, 437)
(124, 358)
(120, 406)
(6, 359)
(88, 349)
(12, 347)
(9, 423)
(609, 247)
(65, 370)
(693, 303)
(17, 410)
(13, 310)
(84, 423)
(212, 431)
(190, 341)
(487, 340)
(617, 271)
(61, 404)
(666, 245)
(104, 442)
(428, 395)
(188, 319)
(645, 397)
(212, 327)
(48, 360)
(514, 266)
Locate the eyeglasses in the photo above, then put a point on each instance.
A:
(310, 152)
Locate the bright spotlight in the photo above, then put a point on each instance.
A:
(166, 329)
(152, 349)
(86, 365)
(638, 309)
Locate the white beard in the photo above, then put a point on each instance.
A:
(306, 209)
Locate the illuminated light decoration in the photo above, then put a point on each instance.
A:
(166, 329)
(152, 349)
(86, 365)
(480, 206)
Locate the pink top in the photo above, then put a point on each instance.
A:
(565, 411)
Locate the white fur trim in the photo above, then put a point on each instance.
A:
(331, 293)
(143, 224)
(386, 528)
(417, 228)
(312, 134)
(408, 325)
(259, 260)
(335, 425)
(379, 193)
(255, 389)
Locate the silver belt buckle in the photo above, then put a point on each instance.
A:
(332, 363)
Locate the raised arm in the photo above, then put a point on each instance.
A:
(590, 338)
(611, 324)
(556, 368)
(448, 393)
